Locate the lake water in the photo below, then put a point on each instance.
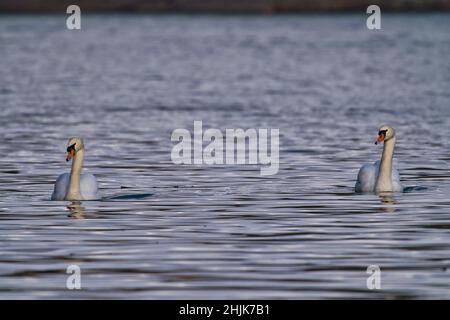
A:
(166, 231)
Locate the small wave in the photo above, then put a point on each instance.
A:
(135, 196)
(414, 188)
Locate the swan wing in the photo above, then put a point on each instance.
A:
(367, 177)
(61, 185)
(88, 187)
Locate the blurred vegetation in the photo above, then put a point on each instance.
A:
(220, 6)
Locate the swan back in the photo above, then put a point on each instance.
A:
(367, 178)
(61, 185)
(88, 187)
(368, 175)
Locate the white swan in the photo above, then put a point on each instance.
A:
(75, 186)
(381, 176)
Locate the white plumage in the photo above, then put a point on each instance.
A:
(88, 187)
(381, 176)
(368, 176)
(76, 185)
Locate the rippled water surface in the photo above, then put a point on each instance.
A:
(169, 231)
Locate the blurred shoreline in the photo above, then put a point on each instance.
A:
(220, 6)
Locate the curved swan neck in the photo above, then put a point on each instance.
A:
(384, 182)
(73, 192)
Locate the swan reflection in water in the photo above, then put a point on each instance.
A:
(389, 201)
(77, 211)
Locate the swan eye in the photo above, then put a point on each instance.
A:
(72, 147)
(382, 132)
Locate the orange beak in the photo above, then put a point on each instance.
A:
(380, 138)
(70, 154)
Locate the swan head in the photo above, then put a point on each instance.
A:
(385, 133)
(74, 145)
